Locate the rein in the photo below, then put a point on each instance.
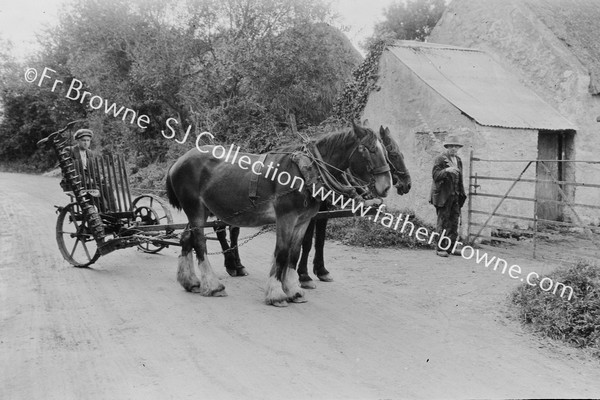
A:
(328, 178)
(349, 188)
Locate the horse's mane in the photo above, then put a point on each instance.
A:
(329, 141)
(332, 140)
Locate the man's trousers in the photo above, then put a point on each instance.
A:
(447, 220)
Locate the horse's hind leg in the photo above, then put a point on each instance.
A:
(227, 252)
(319, 262)
(209, 283)
(305, 280)
(234, 233)
(193, 238)
(185, 272)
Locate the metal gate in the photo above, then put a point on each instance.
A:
(512, 210)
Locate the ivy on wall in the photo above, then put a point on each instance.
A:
(351, 103)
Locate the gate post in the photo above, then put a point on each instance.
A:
(535, 224)
(469, 204)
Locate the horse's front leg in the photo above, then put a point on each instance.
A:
(305, 280)
(283, 285)
(318, 261)
(274, 294)
(291, 284)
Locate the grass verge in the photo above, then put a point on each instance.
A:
(575, 321)
(359, 231)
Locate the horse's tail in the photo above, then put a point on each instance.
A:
(170, 192)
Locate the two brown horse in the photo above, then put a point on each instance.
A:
(201, 184)
(317, 227)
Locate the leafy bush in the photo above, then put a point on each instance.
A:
(575, 321)
(151, 177)
(360, 231)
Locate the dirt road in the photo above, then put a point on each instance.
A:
(394, 324)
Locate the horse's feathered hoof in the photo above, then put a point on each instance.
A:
(232, 271)
(215, 290)
(298, 299)
(237, 271)
(279, 303)
(325, 278)
(308, 284)
(219, 293)
(194, 288)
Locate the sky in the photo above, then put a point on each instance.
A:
(20, 20)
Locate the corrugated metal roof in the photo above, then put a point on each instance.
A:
(478, 86)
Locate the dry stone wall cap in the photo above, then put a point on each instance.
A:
(83, 133)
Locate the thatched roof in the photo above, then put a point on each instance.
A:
(577, 24)
(568, 28)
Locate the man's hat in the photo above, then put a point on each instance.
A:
(452, 140)
(83, 133)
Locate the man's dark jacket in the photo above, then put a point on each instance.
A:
(76, 155)
(88, 172)
(444, 185)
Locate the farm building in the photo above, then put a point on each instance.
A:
(516, 80)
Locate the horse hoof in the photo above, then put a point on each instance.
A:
(281, 303)
(298, 299)
(219, 293)
(325, 278)
(308, 284)
(241, 271)
(232, 272)
(194, 289)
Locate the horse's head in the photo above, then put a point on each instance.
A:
(400, 175)
(369, 162)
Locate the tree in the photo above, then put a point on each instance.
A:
(409, 20)
(405, 20)
(237, 68)
(27, 112)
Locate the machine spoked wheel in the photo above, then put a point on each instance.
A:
(75, 241)
(151, 210)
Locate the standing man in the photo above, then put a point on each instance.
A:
(82, 156)
(448, 193)
(81, 152)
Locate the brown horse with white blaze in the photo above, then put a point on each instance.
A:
(202, 184)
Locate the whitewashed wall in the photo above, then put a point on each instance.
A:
(397, 105)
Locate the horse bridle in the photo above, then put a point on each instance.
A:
(365, 151)
(394, 170)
